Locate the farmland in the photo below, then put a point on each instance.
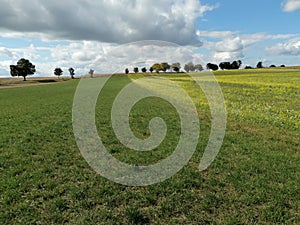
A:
(254, 179)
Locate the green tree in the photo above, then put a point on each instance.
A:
(176, 67)
(136, 70)
(72, 72)
(144, 70)
(23, 68)
(157, 67)
(165, 66)
(58, 72)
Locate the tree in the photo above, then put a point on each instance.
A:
(58, 72)
(259, 65)
(248, 67)
(144, 70)
(211, 66)
(126, 71)
(91, 73)
(189, 67)
(225, 65)
(151, 69)
(198, 67)
(23, 68)
(157, 67)
(272, 66)
(136, 70)
(282, 66)
(72, 72)
(235, 65)
(165, 66)
(176, 67)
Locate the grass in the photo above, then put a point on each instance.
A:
(254, 180)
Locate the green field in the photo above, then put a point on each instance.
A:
(255, 179)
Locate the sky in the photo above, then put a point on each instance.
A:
(109, 36)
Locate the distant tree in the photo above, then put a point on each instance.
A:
(157, 67)
(176, 67)
(198, 67)
(165, 66)
(126, 71)
(225, 65)
(136, 70)
(211, 66)
(282, 66)
(235, 65)
(58, 72)
(272, 66)
(189, 67)
(72, 72)
(91, 73)
(144, 70)
(259, 65)
(23, 68)
(151, 69)
(248, 67)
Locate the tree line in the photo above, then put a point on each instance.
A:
(191, 67)
(24, 68)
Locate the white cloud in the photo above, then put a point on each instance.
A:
(291, 5)
(232, 45)
(290, 47)
(227, 56)
(8, 53)
(217, 34)
(105, 57)
(106, 21)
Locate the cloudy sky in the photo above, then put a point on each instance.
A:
(113, 34)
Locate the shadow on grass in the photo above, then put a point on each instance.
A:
(47, 81)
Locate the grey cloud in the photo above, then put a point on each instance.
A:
(107, 21)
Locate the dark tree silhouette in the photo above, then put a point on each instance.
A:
(144, 70)
(58, 72)
(225, 65)
(91, 73)
(235, 65)
(272, 66)
(259, 65)
(136, 70)
(72, 72)
(23, 68)
(151, 69)
(282, 66)
(211, 66)
(248, 67)
(126, 71)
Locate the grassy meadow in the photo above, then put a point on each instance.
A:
(255, 179)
